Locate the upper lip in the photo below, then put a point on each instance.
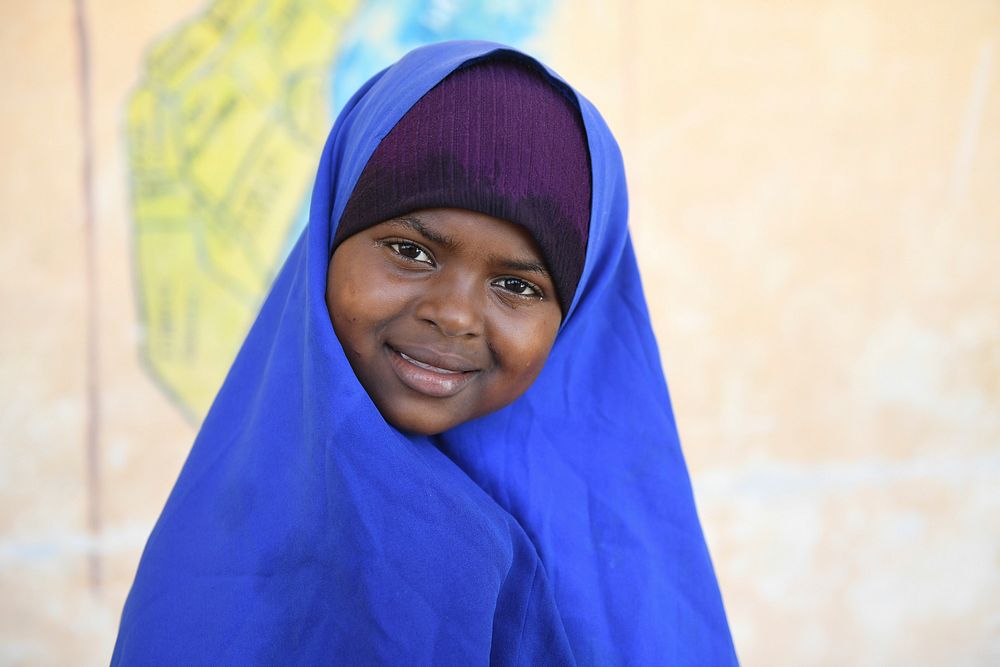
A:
(444, 360)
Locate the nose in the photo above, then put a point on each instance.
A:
(454, 302)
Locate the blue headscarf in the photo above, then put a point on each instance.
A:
(304, 529)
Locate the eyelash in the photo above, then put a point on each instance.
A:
(534, 288)
(396, 247)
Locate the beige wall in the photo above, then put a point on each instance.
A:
(816, 209)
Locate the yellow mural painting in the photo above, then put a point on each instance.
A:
(222, 136)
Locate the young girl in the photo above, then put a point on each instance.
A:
(447, 438)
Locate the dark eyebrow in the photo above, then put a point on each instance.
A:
(414, 223)
(529, 265)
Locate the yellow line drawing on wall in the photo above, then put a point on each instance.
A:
(223, 133)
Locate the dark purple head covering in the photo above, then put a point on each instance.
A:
(497, 137)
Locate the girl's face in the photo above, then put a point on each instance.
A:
(445, 315)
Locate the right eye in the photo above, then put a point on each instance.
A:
(410, 251)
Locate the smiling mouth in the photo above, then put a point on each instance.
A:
(420, 364)
(427, 379)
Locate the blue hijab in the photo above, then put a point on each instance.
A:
(304, 529)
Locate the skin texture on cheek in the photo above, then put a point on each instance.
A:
(354, 310)
(440, 333)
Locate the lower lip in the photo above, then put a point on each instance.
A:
(428, 382)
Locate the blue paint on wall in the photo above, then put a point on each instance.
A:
(383, 30)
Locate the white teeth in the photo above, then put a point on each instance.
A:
(428, 366)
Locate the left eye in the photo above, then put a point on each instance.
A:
(517, 286)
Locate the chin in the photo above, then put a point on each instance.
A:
(419, 423)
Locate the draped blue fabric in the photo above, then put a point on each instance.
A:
(303, 529)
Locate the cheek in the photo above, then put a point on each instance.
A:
(345, 282)
(341, 299)
(523, 348)
(346, 301)
(362, 299)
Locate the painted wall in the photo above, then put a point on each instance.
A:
(816, 209)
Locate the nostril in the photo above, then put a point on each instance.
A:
(454, 325)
